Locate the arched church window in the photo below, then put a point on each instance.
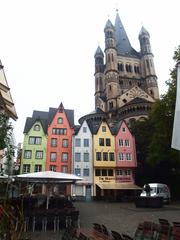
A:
(151, 92)
(150, 62)
(147, 63)
(100, 82)
(110, 34)
(135, 69)
(96, 82)
(127, 68)
(138, 69)
(108, 57)
(112, 57)
(110, 105)
(110, 88)
(120, 67)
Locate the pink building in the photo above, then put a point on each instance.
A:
(125, 148)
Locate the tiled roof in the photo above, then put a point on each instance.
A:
(30, 122)
(93, 125)
(99, 52)
(76, 129)
(46, 118)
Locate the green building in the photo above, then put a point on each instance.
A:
(35, 143)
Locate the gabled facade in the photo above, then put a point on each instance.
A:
(125, 154)
(83, 162)
(104, 157)
(59, 144)
(34, 146)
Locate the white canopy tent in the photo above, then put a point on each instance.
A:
(48, 177)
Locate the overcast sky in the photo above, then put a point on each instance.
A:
(47, 48)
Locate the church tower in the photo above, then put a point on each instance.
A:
(125, 79)
(126, 82)
(111, 72)
(99, 77)
(147, 64)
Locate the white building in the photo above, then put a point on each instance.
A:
(82, 164)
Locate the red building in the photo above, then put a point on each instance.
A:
(59, 144)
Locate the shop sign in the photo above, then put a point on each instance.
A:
(106, 179)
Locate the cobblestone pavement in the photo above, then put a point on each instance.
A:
(121, 217)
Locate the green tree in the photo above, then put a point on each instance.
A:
(6, 144)
(157, 160)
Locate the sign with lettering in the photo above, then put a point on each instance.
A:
(106, 179)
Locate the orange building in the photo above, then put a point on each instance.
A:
(59, 144)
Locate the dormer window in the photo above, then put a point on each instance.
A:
(36, 127)
(60, 120)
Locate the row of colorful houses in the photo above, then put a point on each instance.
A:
(104, 156)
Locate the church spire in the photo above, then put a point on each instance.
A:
(122, 41)
(123, 44)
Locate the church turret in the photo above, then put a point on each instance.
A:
(147, 63)
(99, 75)
(144, 41)
(110, 47)
(99, 61)
(111, 70)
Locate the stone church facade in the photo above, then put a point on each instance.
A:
(125, 80)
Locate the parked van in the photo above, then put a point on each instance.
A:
(158, 190)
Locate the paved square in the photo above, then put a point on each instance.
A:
(121, 217)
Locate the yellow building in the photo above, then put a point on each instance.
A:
(104, 159)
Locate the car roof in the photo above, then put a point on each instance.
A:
(156, 184)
